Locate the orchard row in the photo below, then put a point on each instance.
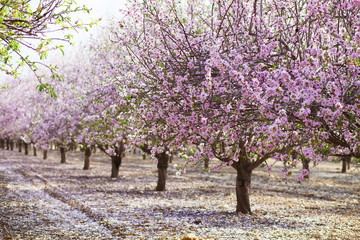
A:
(239, 81)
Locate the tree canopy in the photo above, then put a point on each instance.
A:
(36, 26)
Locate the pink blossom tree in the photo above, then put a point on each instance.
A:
(105, 106)
(245, 81)
(105, 124)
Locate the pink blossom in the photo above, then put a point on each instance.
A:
(300, 178)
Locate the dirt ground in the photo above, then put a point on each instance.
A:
(43, 199)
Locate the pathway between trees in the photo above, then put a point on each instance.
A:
(31, 207)
(43, 199)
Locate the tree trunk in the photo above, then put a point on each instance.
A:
(171, 158)
(63, 155)
(26, 148)
(115, 160)
(345, 161)
(144, 156)
(87, 158)
(115, 165)
(162, 165)
(348, 162)
(206, 163)
(7, 144)
(11, 145)
(243, 182)
(2, 143)
(20, 145)
(35, 151)
(45, 154)
(305, 163)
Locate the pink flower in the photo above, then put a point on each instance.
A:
(203, 120)
(198, 155)
(228, 108)
(226, 128)
(300, 178)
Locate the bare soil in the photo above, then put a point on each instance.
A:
(43, 199)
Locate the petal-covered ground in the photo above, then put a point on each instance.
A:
(43, 199)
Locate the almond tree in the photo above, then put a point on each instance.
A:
(59, 117)
(105, 106)
(242, 80)
(105, 123)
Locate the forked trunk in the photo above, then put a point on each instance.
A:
(35, 152)
(243, 182)
(87, 158)
(305, 163)
(345, 162)
(20, 145)
(45, 154)
(63, 155)
(26, 148)
(162, 165)
(115, 160)
(115, 165)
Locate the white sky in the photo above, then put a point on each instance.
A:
(102, 7)
(99, 9)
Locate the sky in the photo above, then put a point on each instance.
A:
(101, 7)
(98, 9)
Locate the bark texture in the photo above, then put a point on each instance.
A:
(115, 165)
(11, 145)
(87, 158)
(345, 163)
(63, 155)
(206, 163)
(162, 165)
(26, 148)
(35, 151)
(243, 182)
(45, 154)
(20, 145)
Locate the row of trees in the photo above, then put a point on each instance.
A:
(238, 81)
